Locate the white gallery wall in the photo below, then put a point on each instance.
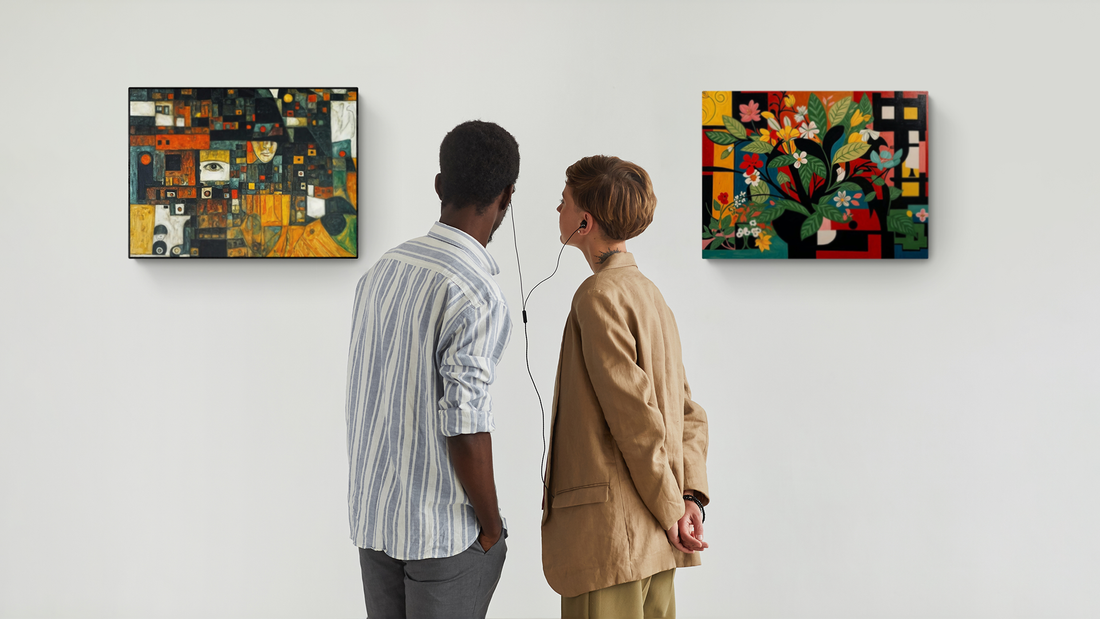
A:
(900, 439)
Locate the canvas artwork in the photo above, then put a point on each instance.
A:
(243, 172)
(815, 175)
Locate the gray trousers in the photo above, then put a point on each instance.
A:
(458, 587)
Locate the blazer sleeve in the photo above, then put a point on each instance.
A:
(625, 393)
(696, 440)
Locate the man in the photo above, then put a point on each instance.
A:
(626, 478)
(430, 325)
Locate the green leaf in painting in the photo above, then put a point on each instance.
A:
(791, 205)
(848, 187)
(781, 161)
(839, 111)
(718, 240)
(806, 173)
(811, 225)
(865, 106)
(725, 222)
(760, 192)
(721, 138)
(783, 179)
(725, 153)
(816, 111)
(735, 128)
(869, 197)
(828, 211)
(895, 193)
(716, 205)
(898, 221)
(758, 147)
(817, 165)
(879, 181)
(850, 152)
(770, 214)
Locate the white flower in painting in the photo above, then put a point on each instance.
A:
(800, 159)
(740, 232)
(810, 131)
(752, 223)
(756, 232)
(801, 115)
(752, 177)
(868, 134)
(842, 199)
(840, 174)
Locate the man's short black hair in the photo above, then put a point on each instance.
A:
(477, 161)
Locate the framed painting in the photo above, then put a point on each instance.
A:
(815, 175)
(243, 173)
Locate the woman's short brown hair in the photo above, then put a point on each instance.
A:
(618, 194)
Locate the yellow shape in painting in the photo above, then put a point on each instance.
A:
(289, 98)
(723, 184)
(214, 155)
(716, 104)
(728, 162)
(142, 221)
(910, 189)
(299, 159)
(315, 241)
(911, 113)
(252, 185)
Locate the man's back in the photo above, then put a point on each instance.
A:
(429, 326)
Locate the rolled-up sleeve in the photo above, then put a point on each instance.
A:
(468, 355)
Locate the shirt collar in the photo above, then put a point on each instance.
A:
(617, 260)
(458, 238)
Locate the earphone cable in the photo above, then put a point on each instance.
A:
(527, 340)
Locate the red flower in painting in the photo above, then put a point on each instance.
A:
(750, 112)
(751, 162)
(724, 198)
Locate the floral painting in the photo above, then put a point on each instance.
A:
(815, 175)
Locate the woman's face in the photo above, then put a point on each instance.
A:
(569, 216)
(265, 151)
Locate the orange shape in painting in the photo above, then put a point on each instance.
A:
(146, 159)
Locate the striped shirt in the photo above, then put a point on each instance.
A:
(429, 327)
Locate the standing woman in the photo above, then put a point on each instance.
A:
(626, 478)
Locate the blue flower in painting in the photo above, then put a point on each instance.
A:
(884, 160)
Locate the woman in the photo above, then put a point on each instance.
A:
(626, 474)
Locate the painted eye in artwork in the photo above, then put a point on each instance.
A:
(213, 166)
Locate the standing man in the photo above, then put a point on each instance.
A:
(430, 325)
(626, 480)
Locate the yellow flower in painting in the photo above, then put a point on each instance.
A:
(908, 213)
(767, 114)
(764, 242)
(855, 137)
(766, 136)
(789, 100)
(787, 133)
(858, 117)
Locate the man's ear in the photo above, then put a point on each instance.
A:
(438, 192)
(506, 196)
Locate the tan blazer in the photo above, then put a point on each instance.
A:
(626, 439)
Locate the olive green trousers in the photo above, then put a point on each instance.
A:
(649, 598)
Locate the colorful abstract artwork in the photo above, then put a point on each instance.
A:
(815, 175)
(243, 172)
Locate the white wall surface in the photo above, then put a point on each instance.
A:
(888, 440)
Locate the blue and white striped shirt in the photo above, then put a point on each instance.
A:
(429, 327)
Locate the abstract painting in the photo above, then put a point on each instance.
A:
(243, 172)
(815, 175)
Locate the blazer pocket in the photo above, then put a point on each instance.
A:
(583, 495)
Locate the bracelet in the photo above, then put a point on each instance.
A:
(689, 497)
